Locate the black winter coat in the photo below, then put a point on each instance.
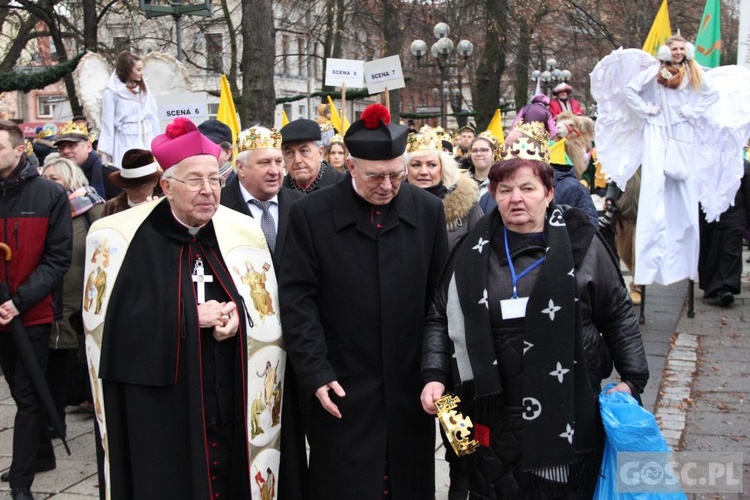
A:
(353, 302)
(609, 326)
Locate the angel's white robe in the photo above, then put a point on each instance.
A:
(667, 240)
(129, 121)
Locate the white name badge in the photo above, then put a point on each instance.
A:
(514, 308)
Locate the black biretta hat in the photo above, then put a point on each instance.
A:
(300, 130)
(374, 137)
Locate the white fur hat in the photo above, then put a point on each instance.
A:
(664, 53)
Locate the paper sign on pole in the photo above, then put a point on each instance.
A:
(384, 73)
(190, 105)
(347, 72)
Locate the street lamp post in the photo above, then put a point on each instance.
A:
(441, 51)
(176, 9)
(551, 76)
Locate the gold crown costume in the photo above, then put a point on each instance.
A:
(72, 128)
(254, 138)
(530, 145)
(457, 427)
(425, 140)
(336, 138)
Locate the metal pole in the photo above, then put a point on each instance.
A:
(442, 96)
(178, 28)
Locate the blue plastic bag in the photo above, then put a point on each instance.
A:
(629, 427)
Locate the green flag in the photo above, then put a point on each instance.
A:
(708, 41)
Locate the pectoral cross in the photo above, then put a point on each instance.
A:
(200, 280)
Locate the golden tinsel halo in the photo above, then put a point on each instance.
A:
(532, 143)
(258, 138)
(29, 149)
(423, 141)
(72, 128)
(44, 133)
(336, 138)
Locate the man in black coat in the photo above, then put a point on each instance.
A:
(74, 144)
(303, 157)
(357, 274)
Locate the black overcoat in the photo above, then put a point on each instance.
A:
(293, 475)
(353, 303)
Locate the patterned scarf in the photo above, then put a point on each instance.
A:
(559, 410)
(82, 199)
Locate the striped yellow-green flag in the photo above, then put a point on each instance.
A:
(496, 127)
(340, 123)
(227, 114)
(708, 41)
(284, 118)
(660, 30)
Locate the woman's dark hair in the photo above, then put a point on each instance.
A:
(505, 169)
(124, 65)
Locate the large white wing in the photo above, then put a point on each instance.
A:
(618, 130)
(165, 75)
(720, 135)
(91, 77)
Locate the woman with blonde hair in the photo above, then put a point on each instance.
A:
(67, 335)
(433, 169)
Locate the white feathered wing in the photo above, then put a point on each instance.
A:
(91, 77)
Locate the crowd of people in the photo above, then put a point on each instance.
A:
(225, 307)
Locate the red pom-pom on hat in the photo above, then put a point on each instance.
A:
(177, 127)
(373, 114)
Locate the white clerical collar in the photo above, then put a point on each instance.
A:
(247, 196)
(131, 204)
(193, 230)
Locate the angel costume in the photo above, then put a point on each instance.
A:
(635, 114)
(129, 120)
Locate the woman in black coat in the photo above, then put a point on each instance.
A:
(529, 317)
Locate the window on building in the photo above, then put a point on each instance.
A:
(303, 111)
(214, 59)
(120, 43)
(45, 105)
(284, 54)
(288, 111)
(301, 57)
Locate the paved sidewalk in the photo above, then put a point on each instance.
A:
(699, 390)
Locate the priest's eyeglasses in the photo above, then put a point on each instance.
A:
(196, 183)
(378, 178)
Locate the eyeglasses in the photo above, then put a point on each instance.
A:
(482, 151)
(196, 183)
(378, 178)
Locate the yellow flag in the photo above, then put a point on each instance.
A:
(335, 120)
(557, 153)
(227, 114)
(284, 118)
(660, 30)
(496, 127)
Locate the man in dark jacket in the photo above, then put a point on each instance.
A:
(256, 191)
(38, 229)
(74, 143)
(358, 271)
(303, 155)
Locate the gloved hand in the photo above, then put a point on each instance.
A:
(654, 109)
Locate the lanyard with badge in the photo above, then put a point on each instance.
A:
(515, 307)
